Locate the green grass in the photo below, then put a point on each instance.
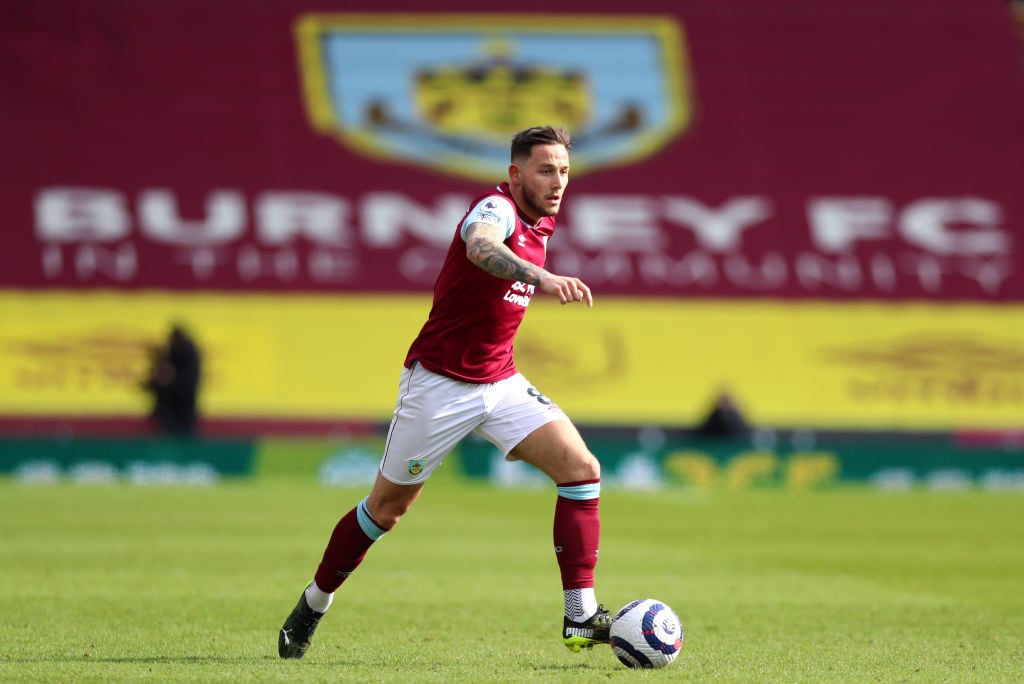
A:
(113, 583)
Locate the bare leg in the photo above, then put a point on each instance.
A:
(388, 501)
(558, 450)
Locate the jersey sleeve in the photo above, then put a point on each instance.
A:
(494, 211)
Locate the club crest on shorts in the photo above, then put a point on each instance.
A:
(447, 91)
(416, 466)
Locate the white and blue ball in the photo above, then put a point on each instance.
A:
(646, 633)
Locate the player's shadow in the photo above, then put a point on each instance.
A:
(568, 668)
(153, 660)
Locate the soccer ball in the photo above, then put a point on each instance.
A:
(646, 633)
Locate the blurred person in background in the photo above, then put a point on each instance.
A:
(459, 377)
(723, 420)
(173, 382)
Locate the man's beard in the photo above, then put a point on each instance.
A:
(530, 198)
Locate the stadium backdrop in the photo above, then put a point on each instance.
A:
(814, 207)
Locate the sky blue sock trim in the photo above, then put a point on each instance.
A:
(366, 522)
(581, 492)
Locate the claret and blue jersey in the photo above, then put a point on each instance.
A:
(474, 318)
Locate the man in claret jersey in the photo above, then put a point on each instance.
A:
(460, 377)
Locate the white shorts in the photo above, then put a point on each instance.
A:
(434, 413)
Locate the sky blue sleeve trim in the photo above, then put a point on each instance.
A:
(366, 522)
(581, 492)
(500, 211)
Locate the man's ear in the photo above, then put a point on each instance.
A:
(514, 173)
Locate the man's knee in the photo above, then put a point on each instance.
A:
(388, 502)
(558, 450)
(583, 465)
(385, 514)
(591, 467)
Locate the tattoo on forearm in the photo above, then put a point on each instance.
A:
(499, 261)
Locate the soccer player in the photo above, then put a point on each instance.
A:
(460, 377)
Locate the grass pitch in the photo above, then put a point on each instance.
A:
(113, 583)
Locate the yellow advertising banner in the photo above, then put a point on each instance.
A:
(809, 364)
(786, 363)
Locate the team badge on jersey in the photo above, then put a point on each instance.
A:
(448, 91)
(416, 466)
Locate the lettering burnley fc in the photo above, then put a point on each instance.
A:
(624, 244)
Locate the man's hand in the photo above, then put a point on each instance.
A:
(567, 290)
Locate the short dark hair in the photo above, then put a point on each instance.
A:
(524, 141)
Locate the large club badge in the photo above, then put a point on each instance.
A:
(447, 91)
